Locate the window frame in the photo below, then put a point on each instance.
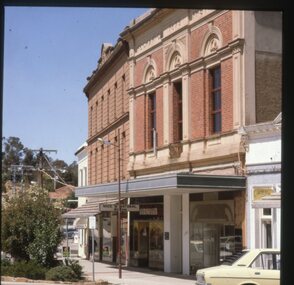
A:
(215, 88)
(151, 118)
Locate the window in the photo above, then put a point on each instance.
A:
(269, 261)
(114, 99)
(152, 119)
(81, 178)
(123, 91)
(215, 97)
(178, 112)
(108, 99)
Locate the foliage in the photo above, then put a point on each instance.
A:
(76, 267)
(27, 269)
(70, 204)
(30, 227)
(15, 153)
(70, 271)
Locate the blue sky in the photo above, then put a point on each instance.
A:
(48, 54)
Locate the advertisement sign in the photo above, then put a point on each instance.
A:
(92, 222)
(114, 208)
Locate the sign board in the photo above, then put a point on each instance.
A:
(81, 226)
(108, 207)
(92, 223)
(114, 208)
(148, 212)
(133, 208)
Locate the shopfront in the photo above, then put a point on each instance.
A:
(182, 223)
(214, 232)
(146, 233)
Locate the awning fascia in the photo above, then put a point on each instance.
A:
(176, 181)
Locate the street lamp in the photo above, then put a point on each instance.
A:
(106, 142)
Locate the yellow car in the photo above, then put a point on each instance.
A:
(252, 267)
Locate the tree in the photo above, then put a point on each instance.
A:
(30, 227)
(13, 151)
(71, 175)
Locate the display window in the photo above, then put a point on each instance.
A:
(214, 236)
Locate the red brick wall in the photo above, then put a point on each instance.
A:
(139, 123)
(196, 42)
(103, 161)
(197, 105)
(227, 95)
(139, 71)
(223, 22)
(157, 56)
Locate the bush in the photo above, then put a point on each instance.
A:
(27, 269)
(61, 273)
(76, 267)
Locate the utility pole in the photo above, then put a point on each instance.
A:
(41, 152)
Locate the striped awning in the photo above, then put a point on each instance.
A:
(91, 208)
(270, 201)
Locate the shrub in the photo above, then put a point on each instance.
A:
(61, 273)
(27, 269)
(76, 267)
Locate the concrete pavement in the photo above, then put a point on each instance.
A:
(132, 276)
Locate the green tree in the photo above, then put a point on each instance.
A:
(71, 174)
(13, 152)
(30, 227)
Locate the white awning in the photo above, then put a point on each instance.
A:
(270, 201)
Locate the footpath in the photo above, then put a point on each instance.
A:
(108, 274)
(132, 276)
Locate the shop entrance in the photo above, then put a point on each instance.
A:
(147, 244)
(213, 235)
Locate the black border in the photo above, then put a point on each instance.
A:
(287, 89)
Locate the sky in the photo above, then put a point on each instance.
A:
(48, 54)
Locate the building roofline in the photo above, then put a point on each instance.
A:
(81, 148)
(120, 47)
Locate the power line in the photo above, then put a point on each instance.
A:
(41, 152)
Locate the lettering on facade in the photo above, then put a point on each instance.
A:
(150, 43)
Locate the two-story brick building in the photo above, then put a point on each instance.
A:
(176, 89)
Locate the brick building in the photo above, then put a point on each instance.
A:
(176, 89)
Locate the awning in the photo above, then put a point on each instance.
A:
(270, 201)
(91, 208)
(174, 183)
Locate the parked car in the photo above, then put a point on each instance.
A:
(256, 266)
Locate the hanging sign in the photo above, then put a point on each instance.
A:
(92, 223)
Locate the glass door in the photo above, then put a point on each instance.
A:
(211, 234)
